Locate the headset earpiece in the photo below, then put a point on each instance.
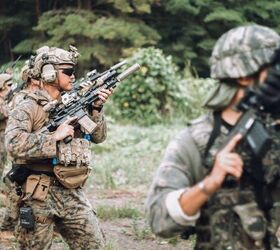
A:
(48, 73)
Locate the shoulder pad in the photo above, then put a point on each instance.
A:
(202, 119)
(40, 100)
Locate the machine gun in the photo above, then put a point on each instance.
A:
(77, 102)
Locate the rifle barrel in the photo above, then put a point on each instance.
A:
(118, 65)
(128, 71)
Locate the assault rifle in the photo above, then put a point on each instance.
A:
(92, 76)
(252, 123)
(254, 132)
(77, 102)
(258, 104)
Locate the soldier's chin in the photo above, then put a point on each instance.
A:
(69, 87)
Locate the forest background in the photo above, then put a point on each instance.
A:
(175, 38)
(172, 41)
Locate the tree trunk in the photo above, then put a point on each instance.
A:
(87, 4)
(10, 49)
(2, 7)
(79, 4)
(37, 10)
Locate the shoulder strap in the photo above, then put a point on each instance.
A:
(215, 132)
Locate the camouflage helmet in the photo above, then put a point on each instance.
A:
(242, 51)
(51, 56)
(5, 79)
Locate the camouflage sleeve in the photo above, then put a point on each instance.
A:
(23, 143)
(180, 168)
(100, 133)
(4, 109)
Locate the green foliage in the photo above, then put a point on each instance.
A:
(153, 92)
(106, 30)
(221, 14)
(202, 22)
(111, 213)
(196, 90)
(97, 35)
(141, 232)
(15, 69)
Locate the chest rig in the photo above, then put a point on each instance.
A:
(71, 167)
(244, 214)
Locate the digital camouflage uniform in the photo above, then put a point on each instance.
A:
(67, 209)
(4, 79)
(240, 215)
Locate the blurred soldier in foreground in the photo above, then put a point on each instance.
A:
(54, 172)
(5, 87)
(229, 196)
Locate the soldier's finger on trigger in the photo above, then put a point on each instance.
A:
(107, 91)
(101, 97)
(70, 119)
(232, 143)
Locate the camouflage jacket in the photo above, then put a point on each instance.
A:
(182, 167)
(18, 98)
(22, 139)
(4, 109)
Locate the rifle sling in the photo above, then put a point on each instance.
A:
(215, 132)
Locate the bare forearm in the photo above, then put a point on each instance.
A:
(194, 198)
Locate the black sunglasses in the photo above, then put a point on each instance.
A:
(68, 71)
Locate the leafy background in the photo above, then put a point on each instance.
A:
(106, 30)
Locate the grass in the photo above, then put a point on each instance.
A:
(111, 213)
(130, 154)
(140, 231)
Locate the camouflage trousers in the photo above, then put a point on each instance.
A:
(3, 154)
(72, 215)
(226, 225)
(10, 214)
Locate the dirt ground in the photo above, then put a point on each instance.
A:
(121, 233)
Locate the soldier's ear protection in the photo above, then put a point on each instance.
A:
(48, 72)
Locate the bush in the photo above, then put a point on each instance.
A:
(152, 93)
(13, 69)
(196, 91)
